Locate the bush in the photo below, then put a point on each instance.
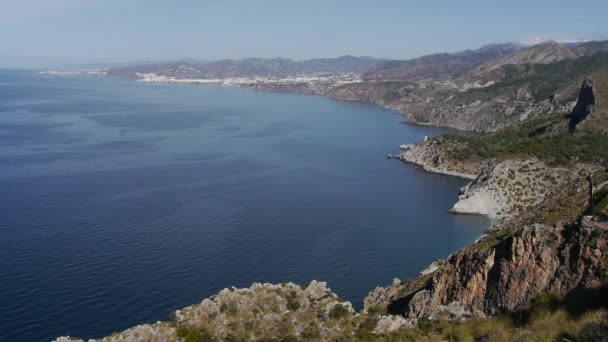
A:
(228, 309)
(292, 302)
(192, 335)
(338, 311)
(594, 330)
(376, 310)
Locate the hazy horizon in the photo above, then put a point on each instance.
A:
(42, 33)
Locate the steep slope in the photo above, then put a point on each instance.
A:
(550, 231)
(508, 274)
(438, 65)
(511, 94)
(591, 47)
(545, 53)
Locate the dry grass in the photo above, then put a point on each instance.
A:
(545, 325)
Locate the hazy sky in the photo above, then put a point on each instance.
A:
(120, 30)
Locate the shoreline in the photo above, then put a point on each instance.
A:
(424, 271)
(402, 157)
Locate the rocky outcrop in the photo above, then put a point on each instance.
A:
(498, 190)
(586, 101)
(513, 187)
(433, 155)
(263, 312)
(505, 272)
(541, 240)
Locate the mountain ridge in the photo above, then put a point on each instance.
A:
(251, 67)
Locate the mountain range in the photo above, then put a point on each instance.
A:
(251, 67)
(438, 66)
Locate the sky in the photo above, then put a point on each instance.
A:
(37, 32)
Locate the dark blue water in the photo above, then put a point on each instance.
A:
(124, 201)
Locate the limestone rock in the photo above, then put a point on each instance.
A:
(390, 323)
(586, 100)
(505, 273)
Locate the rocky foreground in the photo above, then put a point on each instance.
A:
(263, 312)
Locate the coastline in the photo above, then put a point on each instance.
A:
(411, 154)
(524, 256)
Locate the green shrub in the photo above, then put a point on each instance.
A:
(229, 309)
(376, 310)
(365, 330)
(338, 311)
(292, 301)
(192, 335)
(426, 325)
(522, 141)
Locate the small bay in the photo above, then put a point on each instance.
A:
(123, 201)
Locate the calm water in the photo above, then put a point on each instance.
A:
(123, 201)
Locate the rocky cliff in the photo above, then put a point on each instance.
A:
(549, 233)
(505, 271)
(587, 99)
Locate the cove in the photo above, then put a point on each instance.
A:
(123, 201)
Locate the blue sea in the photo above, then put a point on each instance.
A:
(123, 201)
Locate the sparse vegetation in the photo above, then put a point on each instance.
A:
(579, 316)
(521, 141)
(543, 80)
(192, 335)
(229, 309)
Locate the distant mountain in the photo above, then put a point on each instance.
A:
(439, 65)
(482, 62)
(544, 53)
(591, 47)
(251, 67)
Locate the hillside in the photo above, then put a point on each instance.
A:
(439, 65)
(483, 90)
(505, 96)
(545, 186)
(251, 67)
(545, 53)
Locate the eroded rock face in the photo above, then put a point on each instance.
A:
(506, 272)
(586, 101)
